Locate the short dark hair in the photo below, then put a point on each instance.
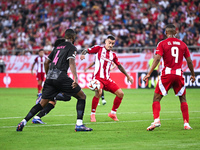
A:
(170, 26)
(111, 37)
(40, 50)
(70, 34)
(58, 42)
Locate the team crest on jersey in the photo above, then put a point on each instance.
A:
(169, 43)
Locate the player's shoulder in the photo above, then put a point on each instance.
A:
(95, 46)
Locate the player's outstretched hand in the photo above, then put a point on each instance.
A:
(146, 77)
(192, 79)
(130, 79)
(74, 84)
(82, 57)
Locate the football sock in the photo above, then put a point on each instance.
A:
(184, 109)
(80, 107)
(79, 122)
(45, 110)
(35, 109)
(39, 88)
(149, 83)
(156, 109)
(102, 95)
(95, 102)
(116, 103)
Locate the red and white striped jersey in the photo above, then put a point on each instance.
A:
(103, 61)
(40, 63)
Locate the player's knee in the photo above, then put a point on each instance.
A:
(121, 94)
(83, 96)
(53, 103)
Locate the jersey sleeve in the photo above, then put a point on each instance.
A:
(115, 60)
(94, 49)
(72, 53)
(159, 49)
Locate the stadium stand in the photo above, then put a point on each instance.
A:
(29, 25)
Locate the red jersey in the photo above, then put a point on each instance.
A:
(40, 64)
(172, 50)
(103, 61)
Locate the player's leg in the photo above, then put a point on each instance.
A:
(103, 98)
(179, 89)
(39, 86)
(34, 110)
(156, 112)
(43, 112)
(95, 102)
(80, 108)
(161, 90)
(116, 103)
(185, 112)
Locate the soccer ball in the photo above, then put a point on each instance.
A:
(94, 85)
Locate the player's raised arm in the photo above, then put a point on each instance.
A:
(121, 68)
(190, 66)
(72, 66)
(155, 63)
(84, 52)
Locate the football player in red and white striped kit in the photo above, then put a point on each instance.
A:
(40, 72)
(104, 58)
(172, 50)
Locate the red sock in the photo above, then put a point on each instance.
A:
(39, 88)
(184, 109)
(116, 103)
(95, 102)
(156, 109)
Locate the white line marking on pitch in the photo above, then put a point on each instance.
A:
(72, 124)
(103, 114)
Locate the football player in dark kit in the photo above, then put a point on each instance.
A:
(60, 59)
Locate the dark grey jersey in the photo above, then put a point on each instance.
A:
(59, 57)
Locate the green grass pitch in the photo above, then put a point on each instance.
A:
(134, 114)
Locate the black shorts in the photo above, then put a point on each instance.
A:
(154, 74)
(63, 84)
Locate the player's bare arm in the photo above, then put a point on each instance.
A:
(190, 66)
(72, 66)
(46, 65)
(84, 52)
(32, 68)
(89, 66)
(121, 68)
(155, 63)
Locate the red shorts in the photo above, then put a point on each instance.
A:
(168, 81)
(108, 85)
(40, 76)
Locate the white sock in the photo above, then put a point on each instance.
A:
(24, 121)
(92, 113)
(113, 112)
(186, 124)
(36, 117)
(79, 122)
(157, 119)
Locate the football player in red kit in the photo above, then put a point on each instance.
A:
(104, 58)
(172, 50)
(40, 72)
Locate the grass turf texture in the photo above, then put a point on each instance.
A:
(135, 115)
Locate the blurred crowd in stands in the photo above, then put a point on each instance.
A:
(34, 24)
